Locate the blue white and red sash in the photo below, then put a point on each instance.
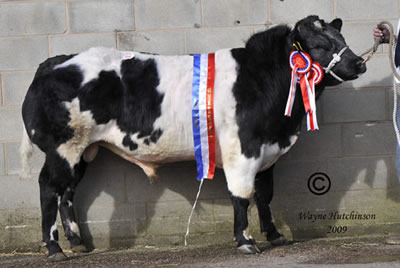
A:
(203, 114)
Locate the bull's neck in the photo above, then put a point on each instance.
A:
(264, 77)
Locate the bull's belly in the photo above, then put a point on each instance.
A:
(170, 147)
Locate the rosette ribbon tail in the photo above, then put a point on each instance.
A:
(308, 90)
(292, 92)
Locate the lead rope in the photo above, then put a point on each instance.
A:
(191, 213)
(396, 87)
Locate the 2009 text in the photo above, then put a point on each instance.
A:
(336, 229)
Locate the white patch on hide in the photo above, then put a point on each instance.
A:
(240, 173)
(54, 226)
(225, 105)
(239, 170)
(176, 74)
(52, 230)
(271, 152)
(69, 204)
(318, 24)
(26, 150)
(74, 227)
(95, 60)
(110, 133)
(113, 137)
(246, 234)
(82, 123)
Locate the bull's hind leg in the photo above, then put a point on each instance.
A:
(49, 202)
(57, 180)
(264, 189)
(71, 228)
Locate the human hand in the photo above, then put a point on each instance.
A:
(381, 33)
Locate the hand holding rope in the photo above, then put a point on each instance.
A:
(387, 37)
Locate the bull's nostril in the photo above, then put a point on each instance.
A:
(361, 65)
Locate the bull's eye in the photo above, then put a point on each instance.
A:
(324, 44)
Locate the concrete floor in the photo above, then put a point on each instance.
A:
(347, 252)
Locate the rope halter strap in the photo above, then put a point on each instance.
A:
(336, 58)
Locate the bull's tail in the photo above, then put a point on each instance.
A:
(26, 151)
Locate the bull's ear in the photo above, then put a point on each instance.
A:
(337, 24)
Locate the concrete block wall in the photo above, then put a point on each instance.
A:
(117, 206)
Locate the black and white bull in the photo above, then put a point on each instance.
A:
(139, 106)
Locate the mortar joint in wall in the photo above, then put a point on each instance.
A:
(134, 15)
(334, 8)
(2, 93)
(49, 48)
(67, 18)
(5, 159)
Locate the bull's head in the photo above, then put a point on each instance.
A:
(327, 46)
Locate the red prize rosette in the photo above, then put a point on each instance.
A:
(307, 74)
(317, 73)
(300, 60)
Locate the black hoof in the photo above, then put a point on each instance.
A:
(249, 249)
(60, 256)
(80, 249)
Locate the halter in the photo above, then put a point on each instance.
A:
(336, 58)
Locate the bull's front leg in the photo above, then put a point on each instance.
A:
(264, 189)
(246, 244)
(240, 181)
(240, 172)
